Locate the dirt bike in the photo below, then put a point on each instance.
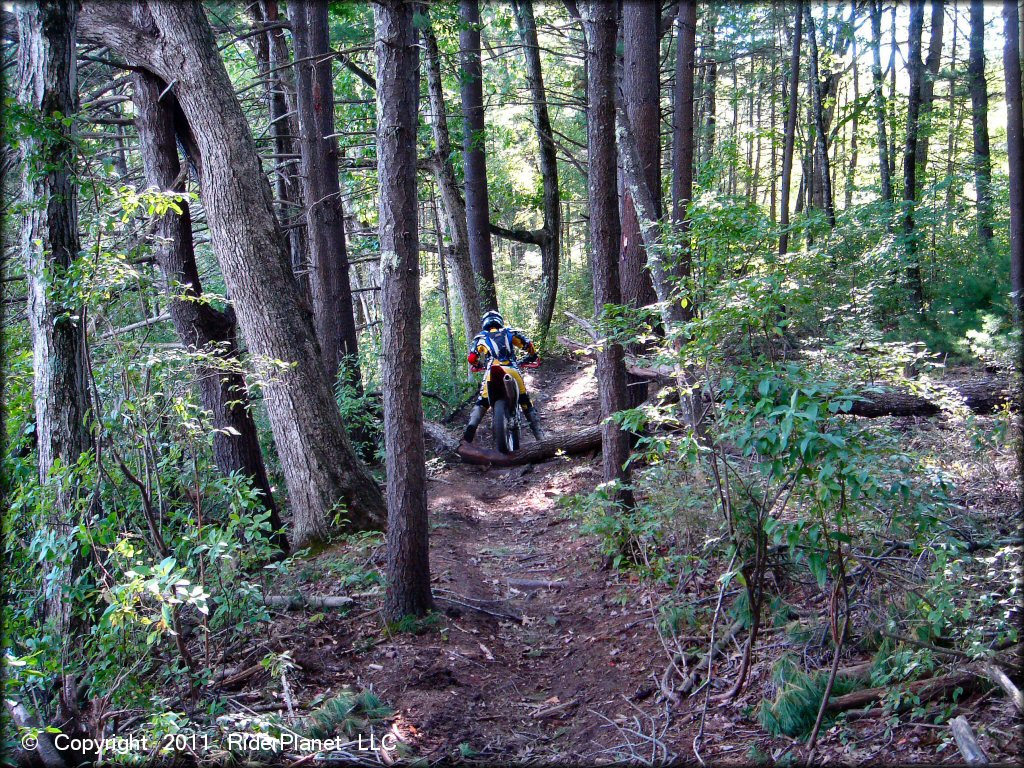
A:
(506, 418)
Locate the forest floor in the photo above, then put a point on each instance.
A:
(538, 654)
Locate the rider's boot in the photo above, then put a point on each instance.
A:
(534, 419)
(474, 421)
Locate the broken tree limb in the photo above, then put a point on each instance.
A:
(965, 741)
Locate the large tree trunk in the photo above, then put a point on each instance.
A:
(682, 140)
(877, 80)
(789, 141)
(599, 25)
(47, 81)
(1015, 149)
(474, 154)
(321, 470)
(916, 72)
(821, 161)
(329, 276)
(645, 204)
(932, 65)
(458, 254)
(408, 552)
(549, 234)
(979, 118)
(641, 91)
(200, 326)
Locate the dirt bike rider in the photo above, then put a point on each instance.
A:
(499, 343)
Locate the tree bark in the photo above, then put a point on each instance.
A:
(549, 233)
(47, 78)
(641, 98)
(682, 140)
(329, 274)
(1015, 149)
(599, 25)
(789, 141)
(916, 72)
(879, 101)
(458, 254)
(200, 326)
(474, 155)
(820, 130)
(979, 119)
(408, 552)
(321, 470)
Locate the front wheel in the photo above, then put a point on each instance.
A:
(505, 428)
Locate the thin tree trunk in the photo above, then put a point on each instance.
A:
(1015, 149)
(408, 552)
(979, 119)
(47, 78)
(451, 198)
(550, 245)
(821, 136)
(932, 65)
(474, 155)
(893, 51)
(320, 468)
(446, 301)
(789, 140)
(955, 117)
(199, 325)
(599, 25)
(851, 173)
(329, 272)
(273, 60)
(916, 67)
(682, 140)
(879, 100)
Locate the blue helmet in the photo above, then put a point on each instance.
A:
(492, 319)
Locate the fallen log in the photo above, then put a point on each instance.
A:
(925, 690)
(982, 396)
(583, 440)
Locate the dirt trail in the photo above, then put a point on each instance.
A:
(539, 685)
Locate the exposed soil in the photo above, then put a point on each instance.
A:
(542, 655)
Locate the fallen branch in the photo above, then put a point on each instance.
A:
(965, 741)
(534, 584)
(301, 602)
(1000, 678)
